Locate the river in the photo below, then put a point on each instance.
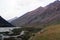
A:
(3, 29)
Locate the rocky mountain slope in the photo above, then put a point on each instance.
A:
(40, 17)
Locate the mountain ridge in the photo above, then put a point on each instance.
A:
(40, 16)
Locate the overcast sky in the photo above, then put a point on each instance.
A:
(13, 8)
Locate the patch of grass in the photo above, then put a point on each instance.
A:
(49, 33)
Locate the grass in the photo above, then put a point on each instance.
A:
(49, 33)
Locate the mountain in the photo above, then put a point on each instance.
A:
(4, 23)
(40, 17)
(49, 33)
(12, 19)
(26, 18)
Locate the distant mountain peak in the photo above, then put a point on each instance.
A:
(57, 0)
(55, 5)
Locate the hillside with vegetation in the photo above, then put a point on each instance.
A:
(49, 33)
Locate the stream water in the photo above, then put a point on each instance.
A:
(3, 29)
